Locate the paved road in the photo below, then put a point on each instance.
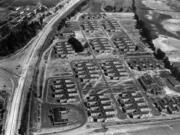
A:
(12, 123)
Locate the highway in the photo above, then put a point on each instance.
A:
(11, 123)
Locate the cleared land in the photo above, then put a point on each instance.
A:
(168, 44)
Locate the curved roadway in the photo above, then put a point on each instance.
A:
(11, 124)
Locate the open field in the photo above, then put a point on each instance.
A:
(6, 83)
(172, 25)
(169, 40)
(167, 44)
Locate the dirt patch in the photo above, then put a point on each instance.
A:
(6, 83)
(172, 25)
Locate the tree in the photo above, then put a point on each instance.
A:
(76, 44)
(167, 62)
(159, 54)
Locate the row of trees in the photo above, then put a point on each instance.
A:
(119, 6)
(158, 53)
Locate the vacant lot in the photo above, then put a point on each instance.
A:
(6, 82)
